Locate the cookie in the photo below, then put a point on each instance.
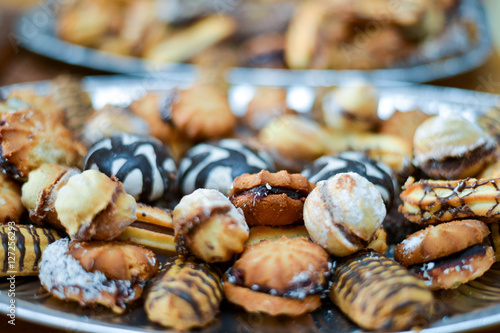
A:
(451, 148)
(215, 165)
(271, 198)
(342, 214)
(378, 173)
(143, 164)
(208, 225)
(282, 277)
(440, 241)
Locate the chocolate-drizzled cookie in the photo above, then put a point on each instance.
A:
(30, 242)
(378, 294)
(435, 201)
(186, 294)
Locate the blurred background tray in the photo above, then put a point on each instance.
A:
(35, 32)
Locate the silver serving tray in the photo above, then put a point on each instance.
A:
(472, 306)
(35, 32)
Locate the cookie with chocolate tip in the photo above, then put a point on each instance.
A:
(447, 255)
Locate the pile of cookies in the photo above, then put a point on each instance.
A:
(313, 34)
(271, 216)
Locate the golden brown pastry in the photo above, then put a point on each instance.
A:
(494, 239)
(343, 213)
(351, 107)
(187, 42)
(447, 255)
(153, 229)
(40, 192)
(111, 274)
(456, 269)
(435, 201)
(270, 198)
(209, 226)
(451, 148)
(491, 170)
(379, 243)
(10, 197)
(68, 94)
(111, 120)
(389, 149)
(93, 206)
(28, 99)
(84, 22)
(440, 241)
(281, 277)
(31, 138)
(293, 141)
(303, 33)
(378, 294)
(202, 112)
(30, 242)
(186, 294)
(260, 233)
(411, 119)
(267, 103)
(116, 260)
(156, 111)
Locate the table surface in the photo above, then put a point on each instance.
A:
(18, 65)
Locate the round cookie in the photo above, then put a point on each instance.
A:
(143, 164)
(343, 213)
(377, 173)
(216, 165)
(440, 241)
(271, 198)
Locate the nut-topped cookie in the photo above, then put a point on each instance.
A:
(271, 198)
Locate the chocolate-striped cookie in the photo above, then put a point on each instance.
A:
(143, 164)
(216, 165)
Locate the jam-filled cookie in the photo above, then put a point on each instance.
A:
(342, 214)
(111, 274)
(271, 198)
(209, 226)
(451, 148)
(215, 165)
(447, 255)
(281, 277)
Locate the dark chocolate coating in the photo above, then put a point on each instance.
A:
(375, 172)
(135, 159)
(216, 165)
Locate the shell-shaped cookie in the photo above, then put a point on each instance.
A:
(31, 138)
(288, 267)
(186, 294)
(378, 294)
(29, 243)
